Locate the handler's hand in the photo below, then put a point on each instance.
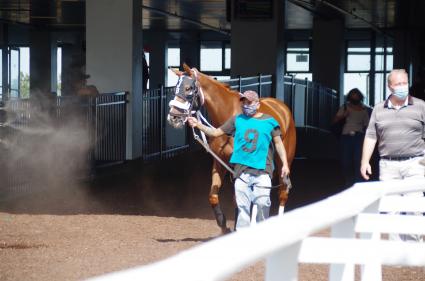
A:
(192, 121)
(285, 172)
(365, 170)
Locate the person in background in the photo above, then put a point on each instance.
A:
(397, 126)
(356, 118)
(84, 90)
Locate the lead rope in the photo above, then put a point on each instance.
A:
(206, 146)
(204, 143)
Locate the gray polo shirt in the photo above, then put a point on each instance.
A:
(399, 131)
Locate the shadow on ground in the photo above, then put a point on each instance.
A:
(171, 188)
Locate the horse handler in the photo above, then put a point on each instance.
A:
(252, 156)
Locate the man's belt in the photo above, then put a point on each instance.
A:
(400, 158)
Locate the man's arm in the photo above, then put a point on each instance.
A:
(211, 132)
(280, 149)
(368, 147)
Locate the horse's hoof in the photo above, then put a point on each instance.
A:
(225, 230)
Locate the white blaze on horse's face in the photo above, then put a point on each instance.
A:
(180, 106)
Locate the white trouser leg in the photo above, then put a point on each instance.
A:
(261, 196)
(407, 169)
(243, 195)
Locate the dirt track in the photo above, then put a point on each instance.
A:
(134, 217)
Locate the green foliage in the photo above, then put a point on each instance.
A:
(25, 85)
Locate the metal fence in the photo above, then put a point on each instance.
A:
(110, 125)
(159, 139)
(312, 106)
(26, 123)
(262, 84)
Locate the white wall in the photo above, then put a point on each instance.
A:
(114, 58)
(109, 44)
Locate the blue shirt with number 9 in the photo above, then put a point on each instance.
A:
(252, 141)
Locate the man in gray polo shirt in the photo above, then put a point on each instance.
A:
(397, 125)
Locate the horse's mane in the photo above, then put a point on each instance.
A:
(222, 86)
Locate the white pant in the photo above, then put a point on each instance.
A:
(392, 170)
(250, 189)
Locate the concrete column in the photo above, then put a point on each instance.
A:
(328, 61)
(4, 45)
(417, 54)
(73, 63)
(40, 63)
(158, 60)
(408, 40)
(54, 67)
(114, 58)
(258, 45)
(401, 49)
(190, 49)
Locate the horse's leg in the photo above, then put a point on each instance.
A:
(217, 182)
(283, 197)
(283, 189)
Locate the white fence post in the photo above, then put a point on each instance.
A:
(372, 271)
(283, 265)
(342, 272)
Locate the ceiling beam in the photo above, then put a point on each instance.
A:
(185, 19)
(352, 14)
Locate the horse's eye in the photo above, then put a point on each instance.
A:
(188, 88)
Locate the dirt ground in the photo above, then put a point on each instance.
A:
(134, 215)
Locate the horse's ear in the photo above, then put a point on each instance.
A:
(176, 71)
(194, 71)
(186, 68)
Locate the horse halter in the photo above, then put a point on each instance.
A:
(192, 96)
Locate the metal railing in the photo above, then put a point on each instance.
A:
(30, 124)
(262, 84)
(159, 139)
(313, 106)
(110, 125)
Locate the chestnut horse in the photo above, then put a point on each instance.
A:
(195, 89)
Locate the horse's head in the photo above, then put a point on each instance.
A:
(187, 98)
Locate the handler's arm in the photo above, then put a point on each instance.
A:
(368, 147)
(280, 148)
(211, 132)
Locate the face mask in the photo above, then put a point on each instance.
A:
(401, 92)
(249, 110)
(355, 101)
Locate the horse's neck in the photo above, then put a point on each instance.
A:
(221, 104)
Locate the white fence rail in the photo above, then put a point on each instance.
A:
(284, 241)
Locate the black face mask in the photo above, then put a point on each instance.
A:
(355, 101)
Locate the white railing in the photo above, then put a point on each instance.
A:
(356, 210)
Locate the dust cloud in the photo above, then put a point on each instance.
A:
(44, 145)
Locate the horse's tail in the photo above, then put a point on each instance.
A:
(283, 115)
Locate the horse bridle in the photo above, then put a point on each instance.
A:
(192, 100)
